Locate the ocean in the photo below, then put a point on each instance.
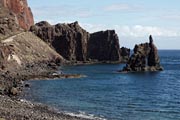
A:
(106, 94)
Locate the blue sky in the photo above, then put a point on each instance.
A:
(133, 20)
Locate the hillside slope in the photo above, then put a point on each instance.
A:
(26, 48)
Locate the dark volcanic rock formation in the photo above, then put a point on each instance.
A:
(125, 53)
(104, 46)
(145, 58)
(21, 12)
(69, 40)
(75, 44)
(153, 58)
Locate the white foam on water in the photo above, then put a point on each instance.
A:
(85, 116)
(80, 114)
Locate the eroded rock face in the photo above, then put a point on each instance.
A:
(8, 23)
(125, 54)
(104, 46)
(5, 51)
(69, 40)
(153, 58)
(75, 44)
(144, 58)
(21, 10)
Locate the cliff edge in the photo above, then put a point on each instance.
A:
(76, 44)
(69, 40)
(104, 46)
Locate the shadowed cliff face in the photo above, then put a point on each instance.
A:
(69, 40)
(21, 11)
(144, 58)
(125, 54)
(75, 44)
(104, 46)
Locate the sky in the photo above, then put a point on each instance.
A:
(133, 20)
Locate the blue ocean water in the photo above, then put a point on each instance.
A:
(107, 94)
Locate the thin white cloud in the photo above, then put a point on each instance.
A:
(141, 31)
(93, 27)
(134, 31)
(121, 7)
(131, 35)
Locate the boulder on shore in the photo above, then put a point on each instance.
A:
(144, 58)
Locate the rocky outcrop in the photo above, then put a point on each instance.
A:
(104, 46)
(5, 51)
(125, 54)
(44, 30)
(153, 58)
(8, 23)
(144, 58)
(22, 56)
(75, 44)
(21, 11)
(69, 40)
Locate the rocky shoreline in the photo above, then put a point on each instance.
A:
(18, 109)
(14, 108)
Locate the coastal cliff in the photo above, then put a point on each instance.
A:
(125, 54)
(76, 44)
(22, 53)
(38, 53)
(104, 46)
(69, 40)
(144, 58)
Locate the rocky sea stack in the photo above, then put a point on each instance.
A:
(144, 58)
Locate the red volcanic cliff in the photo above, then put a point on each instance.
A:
(22, 11)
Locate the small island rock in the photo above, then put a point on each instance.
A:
(144, 58)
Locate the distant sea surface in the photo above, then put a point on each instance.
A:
(104, 93)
